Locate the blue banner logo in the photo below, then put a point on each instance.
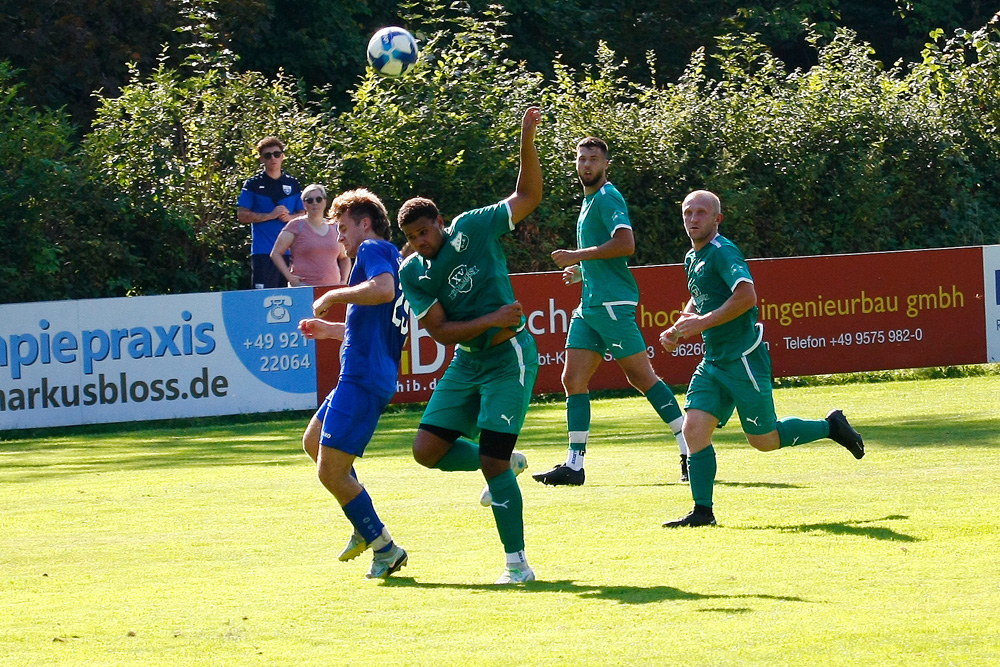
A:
(263, 330)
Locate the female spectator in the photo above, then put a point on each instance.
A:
(318, 258)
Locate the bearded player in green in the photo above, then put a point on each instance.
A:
(604, 322)
(735, 373)
(457, 285)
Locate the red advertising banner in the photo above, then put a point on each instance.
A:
(832, 314)
(875, 311)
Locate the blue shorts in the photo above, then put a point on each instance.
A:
(349, 416)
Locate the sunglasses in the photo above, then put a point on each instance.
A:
(313, 200)
(267, 155)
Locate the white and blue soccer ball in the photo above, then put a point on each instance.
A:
(392, 51)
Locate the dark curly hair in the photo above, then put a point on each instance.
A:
(415, 209)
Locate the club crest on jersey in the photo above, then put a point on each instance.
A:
(460, 242)
(699, 298)
(461, 280)
(287, 189)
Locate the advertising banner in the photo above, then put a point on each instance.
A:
(832, 314)
(991, 273)
(188, 355)
(131, 359)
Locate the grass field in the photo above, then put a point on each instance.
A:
(215, 545)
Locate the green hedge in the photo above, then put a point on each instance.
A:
(844, 157)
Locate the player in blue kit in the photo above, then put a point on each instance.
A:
(735, 373)
(373, 333)
(267, 201)
(458, 287)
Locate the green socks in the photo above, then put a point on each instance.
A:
(508, 510)
(793, 431)
(701, 470)
(578, 421)
(663, 401)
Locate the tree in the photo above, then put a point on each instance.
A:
(179, 149)
(59, 236)
(69, 49)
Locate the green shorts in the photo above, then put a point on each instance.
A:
(606, 328)
(486, 390)
(719, 387)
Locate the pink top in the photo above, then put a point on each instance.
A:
(314, 257)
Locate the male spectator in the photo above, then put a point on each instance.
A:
(267, 201)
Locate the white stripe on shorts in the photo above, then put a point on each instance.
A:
(760, 338)
(520, 357)
(610, 305)
(749, 374)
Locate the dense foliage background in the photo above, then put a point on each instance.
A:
(819, 138)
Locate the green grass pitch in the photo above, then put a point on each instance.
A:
(214, 544)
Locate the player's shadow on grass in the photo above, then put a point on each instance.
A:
(736, 485)
(620, 594)
(860, 528)
(930, 430)
(759, 485)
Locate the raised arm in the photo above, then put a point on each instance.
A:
(528, 193)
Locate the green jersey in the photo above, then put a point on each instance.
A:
(468, 277)
(713, 273)
(605, 281)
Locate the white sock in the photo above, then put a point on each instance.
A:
(677, 426)
(382, 540)
(516, 559)
(574, 459)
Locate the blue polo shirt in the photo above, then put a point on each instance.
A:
(262, 194)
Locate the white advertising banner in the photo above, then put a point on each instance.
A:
(991, 278)
(133, 359)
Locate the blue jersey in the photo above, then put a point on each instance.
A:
(262, 194)
(374, 335)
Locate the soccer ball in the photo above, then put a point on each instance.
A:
(392, 51)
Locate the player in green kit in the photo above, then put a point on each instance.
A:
(457, 285)
(735, 373)
(605, 319)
